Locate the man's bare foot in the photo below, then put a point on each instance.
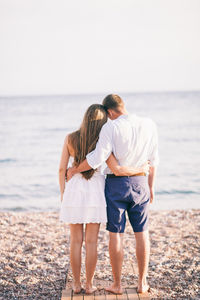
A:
(114, 289)
(89, 289)
(77, 288)
(143, 288)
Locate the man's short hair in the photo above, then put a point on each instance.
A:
(114, 102)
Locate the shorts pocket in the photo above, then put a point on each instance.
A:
(140, 193)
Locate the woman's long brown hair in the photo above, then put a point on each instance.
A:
(84, 140)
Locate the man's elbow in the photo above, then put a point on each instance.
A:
(116, 172)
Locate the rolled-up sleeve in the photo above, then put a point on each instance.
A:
(103, 148)
(154, 156)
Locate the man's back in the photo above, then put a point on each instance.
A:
(132, 139)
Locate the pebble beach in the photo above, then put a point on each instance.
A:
(34, 255)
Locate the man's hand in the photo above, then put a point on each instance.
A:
(145, 167)
(151, 195)
(70, 173)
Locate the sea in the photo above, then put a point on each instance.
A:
(33, 129)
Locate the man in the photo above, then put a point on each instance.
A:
(133, 140)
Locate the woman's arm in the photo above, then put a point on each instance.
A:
(125, 171)
(63, 166)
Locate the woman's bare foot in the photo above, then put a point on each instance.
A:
(115, 289)
(89, 289)
(77, 288)
(143, 288)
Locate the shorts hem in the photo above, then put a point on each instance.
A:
(114, 231)
(140, 230)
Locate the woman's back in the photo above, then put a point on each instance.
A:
(83, 197)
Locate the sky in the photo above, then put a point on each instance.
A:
(99, 46)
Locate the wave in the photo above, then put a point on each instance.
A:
(29, 209)
(65, 129)
(171, 192)
(5, 160)
(10, 196)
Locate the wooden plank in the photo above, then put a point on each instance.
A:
(78, 296)
(66, 294)
(123, 296)
(132, 294)
(89, 297)
(110, 296)
(145, 296)
(100, 297)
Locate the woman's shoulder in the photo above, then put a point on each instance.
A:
(70, 137)
(73, 135)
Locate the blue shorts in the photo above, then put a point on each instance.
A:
(129, 194)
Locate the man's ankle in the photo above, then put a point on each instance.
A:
(142, 281)
(117, 284)
(89, 283)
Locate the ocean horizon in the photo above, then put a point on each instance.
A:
(33, 129)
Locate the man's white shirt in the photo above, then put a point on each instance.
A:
(132, 139)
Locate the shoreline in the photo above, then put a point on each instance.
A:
(154, 207)
(34, 255)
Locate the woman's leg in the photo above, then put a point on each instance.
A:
(91, 237)
(76, 241)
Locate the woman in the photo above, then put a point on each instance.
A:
(83, 200)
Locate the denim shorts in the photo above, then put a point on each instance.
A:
(131, 195)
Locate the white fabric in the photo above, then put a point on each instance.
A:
(132, 139)
(84, 200)
(74, 215)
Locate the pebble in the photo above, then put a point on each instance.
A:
(34, 256)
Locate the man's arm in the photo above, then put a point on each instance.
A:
(154, 161)
(125, 170)
(84, 166)
(151, 181)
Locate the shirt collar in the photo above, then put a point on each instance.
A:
(126, 116)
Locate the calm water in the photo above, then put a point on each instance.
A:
(32, 131)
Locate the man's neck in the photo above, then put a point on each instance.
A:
(124, 112)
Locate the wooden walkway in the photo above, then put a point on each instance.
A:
(130, 293)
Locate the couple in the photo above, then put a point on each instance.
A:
(128, 145)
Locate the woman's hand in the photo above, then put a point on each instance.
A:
(145, 167)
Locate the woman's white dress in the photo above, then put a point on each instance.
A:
(84, 200)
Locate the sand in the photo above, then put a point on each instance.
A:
(34, 255)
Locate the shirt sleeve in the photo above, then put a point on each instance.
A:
(103, 147)
(154, 157)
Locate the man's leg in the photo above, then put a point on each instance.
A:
(142, 253)
(117, 203)
(139, 216)
(116, 260)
